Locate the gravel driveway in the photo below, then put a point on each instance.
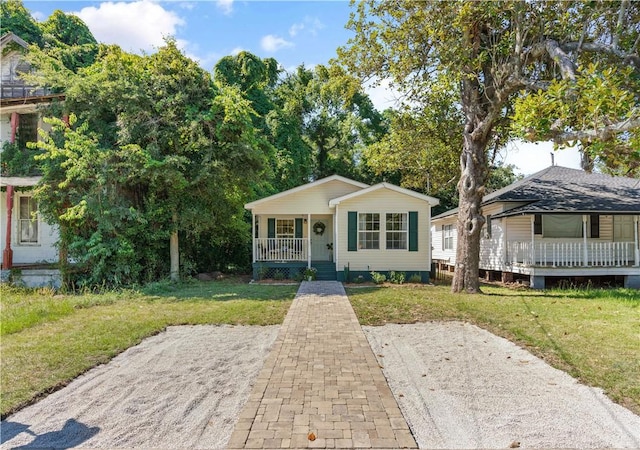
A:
(457, 385)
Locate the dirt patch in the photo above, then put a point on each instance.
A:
(182, 388)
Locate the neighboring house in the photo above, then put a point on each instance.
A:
(344, 229)
(556, 224)
(27, 241)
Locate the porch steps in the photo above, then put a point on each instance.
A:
(326, 270)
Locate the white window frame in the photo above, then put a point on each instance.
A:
(447, 237)
(281, 233)
(23, 222)
(400, 232)
(365, 230)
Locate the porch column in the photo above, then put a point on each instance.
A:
(7, 254)
(253, 236)
(533, 240)
(15, 120)
(635, 233)
(585, 251)
(309, 240)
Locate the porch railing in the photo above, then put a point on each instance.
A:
(281, 249)
(572, 254)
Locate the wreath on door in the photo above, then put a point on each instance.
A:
(318, 228)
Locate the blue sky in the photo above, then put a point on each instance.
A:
(292, 32)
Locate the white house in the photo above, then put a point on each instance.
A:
(27, 240)
(556, 224)
(343, 228)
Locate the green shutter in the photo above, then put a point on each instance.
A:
(352, 231)
(413, 231)
(298, 228)
(271, 227)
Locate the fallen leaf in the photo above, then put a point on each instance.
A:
(515, 444)
(311, 437)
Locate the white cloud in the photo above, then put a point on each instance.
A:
(311, 24)
(295, 29)
(272, 43)
(383, 95)
(531, 157)
(237, 50)
(226, 6)
(39, 16)
(135, 26)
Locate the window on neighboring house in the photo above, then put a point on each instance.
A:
(396, 231)
(562, 226)
(27, 129)
(27, 220)
(285, 228)
(369, 231)
(447, 237)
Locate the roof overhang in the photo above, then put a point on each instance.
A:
(304, 187)
(431, 200)
(19, 181)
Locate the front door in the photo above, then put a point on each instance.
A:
(321, 235)
(623, 229)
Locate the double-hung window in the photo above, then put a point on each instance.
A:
(447, 237)
(369, 231)
(27, 220)
(396, 231)
(285, 228)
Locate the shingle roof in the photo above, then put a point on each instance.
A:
(562, 190)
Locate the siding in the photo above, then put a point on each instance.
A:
(492, 249)
(262, 223)
(44, 251)
(314, 200)
(384, 201)
(438, 246)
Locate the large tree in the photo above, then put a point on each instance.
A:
(494, 54)
(159, 154)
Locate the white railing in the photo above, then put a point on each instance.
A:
(572, 254)
(280, 249)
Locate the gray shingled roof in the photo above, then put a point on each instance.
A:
(561, 190)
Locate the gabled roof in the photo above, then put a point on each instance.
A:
(10, 37)
(304, 187)
(432, 201)
(562, 190)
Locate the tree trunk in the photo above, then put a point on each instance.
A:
(470, 219)
(174, 273)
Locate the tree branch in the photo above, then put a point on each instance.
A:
(631, 58)
(602, 134)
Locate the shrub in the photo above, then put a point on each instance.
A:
(415, 278)
(397, 277)
(278, 275)
(359, 279)
(378, 278)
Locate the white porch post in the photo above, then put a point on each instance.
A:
(335, 237)
(533, 240)
(309, 240)
(585, 251)
(637, 248)
(253, 235)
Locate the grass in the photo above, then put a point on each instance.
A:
(48, 339)
(594, 335)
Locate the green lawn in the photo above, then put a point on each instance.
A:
(47, 339)
(593, 335)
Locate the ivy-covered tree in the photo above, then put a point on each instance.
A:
(68, 39)
(157, 153)
(497, 57)
(15, 18)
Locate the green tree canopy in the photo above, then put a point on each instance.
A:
(15, 18)
(493, 55)
(157, 158)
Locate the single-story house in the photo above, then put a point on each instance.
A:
(344, 229)
(558, 223)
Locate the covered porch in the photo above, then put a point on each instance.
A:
(284, 245)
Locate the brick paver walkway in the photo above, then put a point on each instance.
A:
(321, 377)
